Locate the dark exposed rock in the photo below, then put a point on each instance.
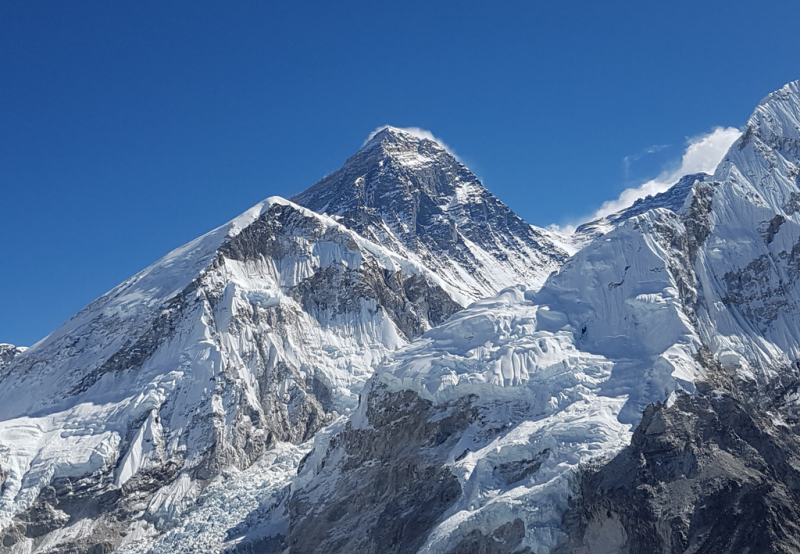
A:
(697, 218)
(273, 235)
(708, 474)
(512, 472)
(503, 540)
(66, 501)
(418, 204)
(263, 545)
(749, 132)
(390, 485)
(760, 289)
(792, 206)
(771, 229)
(411, 302)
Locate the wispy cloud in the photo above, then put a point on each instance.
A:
(628, 160)
(702, 155)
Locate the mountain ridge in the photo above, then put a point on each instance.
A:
(668, 305)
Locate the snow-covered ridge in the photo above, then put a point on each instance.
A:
(672, 199)
(261, 330)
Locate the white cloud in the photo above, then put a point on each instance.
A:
(702, 155)
(627, 160)
(564, 230)
(414, 131)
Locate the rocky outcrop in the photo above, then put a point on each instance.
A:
(503, 540)
(413, 301)
(7, 354)
(385, 485)
(710, 473)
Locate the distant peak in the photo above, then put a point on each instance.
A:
(788, 92)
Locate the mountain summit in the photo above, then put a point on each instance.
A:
(412, 196)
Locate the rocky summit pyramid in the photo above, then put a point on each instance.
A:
(414, 197)
(243, 342)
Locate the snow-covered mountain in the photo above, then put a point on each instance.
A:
(389, 363)
(412, 196)
(473, 437)
(250, 338)
(259, 332)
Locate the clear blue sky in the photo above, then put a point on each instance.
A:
(129, 128)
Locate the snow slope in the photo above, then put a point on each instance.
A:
(260, 331)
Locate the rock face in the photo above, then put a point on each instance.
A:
(8, 352)
(410, 488)
(711, 473)
(414, 197)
